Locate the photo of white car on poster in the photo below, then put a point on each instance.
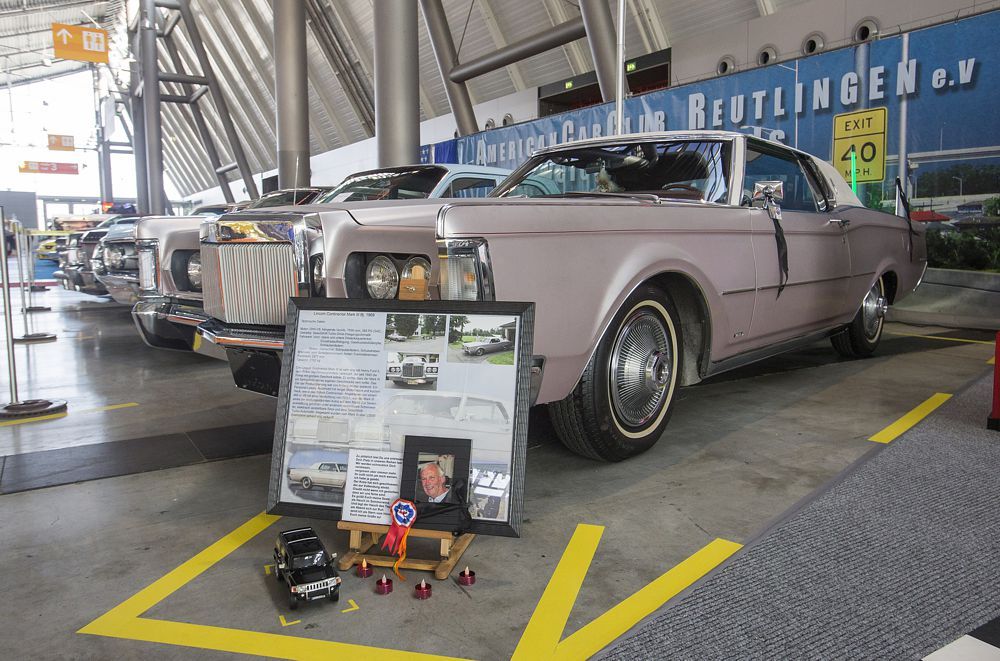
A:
(315, 476)
(413, 370)
(415, 333)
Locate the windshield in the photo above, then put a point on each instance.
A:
(282, 198)
(304, 561)
(399, 184)
(684, 169)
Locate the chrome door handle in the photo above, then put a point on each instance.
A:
(840, 221)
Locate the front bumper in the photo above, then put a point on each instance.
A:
(166, 323)
(124, 288)
(77, 278)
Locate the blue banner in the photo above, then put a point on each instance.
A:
(949, 82)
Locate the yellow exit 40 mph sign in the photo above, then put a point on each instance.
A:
(79, 42)
(862, 132)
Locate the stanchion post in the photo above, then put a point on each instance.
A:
(16, 408)
(993, 422)
(28, 336)
(30, 261)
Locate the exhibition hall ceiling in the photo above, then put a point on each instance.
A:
(238, 37)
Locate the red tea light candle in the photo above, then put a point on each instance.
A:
(466, 577)
(422, 591)
(364, 569)
(383, 585)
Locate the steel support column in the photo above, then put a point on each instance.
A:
(291, 93)
(138, 132)
(447, 59)
(600, 28)
(397, 101)
(151, 107)
(220, 101)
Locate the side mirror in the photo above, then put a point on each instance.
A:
(769, 194)
(768, 190)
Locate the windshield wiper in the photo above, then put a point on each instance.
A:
(650, 197)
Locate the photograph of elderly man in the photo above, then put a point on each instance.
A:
(434, 485)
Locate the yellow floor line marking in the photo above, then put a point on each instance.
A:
(944, 339)
(285, 623)
(56, 416)
(605, 629)
(992, 361)
(112, 407)
(354, 606)
(545, 628)
(549, 619)
(267, 570)
(123, 621)
(38, 418)
(911, 418)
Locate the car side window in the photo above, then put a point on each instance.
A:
(466, 187)
(799, 193)
(526, 190)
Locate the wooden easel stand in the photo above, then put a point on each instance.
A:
(366, 535)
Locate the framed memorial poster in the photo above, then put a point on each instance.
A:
(359, 378)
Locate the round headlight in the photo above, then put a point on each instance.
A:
(318, 276)
(194, 270)
(418, 268)
(114, 257)
(382, 278)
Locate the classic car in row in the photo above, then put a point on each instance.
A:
(654, 260)
(76, 263)
(171, 301)
(492, 344)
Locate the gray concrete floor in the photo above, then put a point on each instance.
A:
(741, 450)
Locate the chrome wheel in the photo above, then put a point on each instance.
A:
(873, 311)
(642, 363)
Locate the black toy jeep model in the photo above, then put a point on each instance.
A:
(302, 562)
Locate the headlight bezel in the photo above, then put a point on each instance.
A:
(147, 258)
(194, 277)
(382, 265)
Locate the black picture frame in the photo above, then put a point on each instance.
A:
(438, 516)
(506, 524)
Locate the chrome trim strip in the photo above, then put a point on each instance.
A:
(239, 342)
(808, 282)
(739, 291)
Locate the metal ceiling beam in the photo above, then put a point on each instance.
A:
(651, 25)
(357, 92)
(220, 100)
(444, 51)
(208, 142)
(519, 50)
(574, 52)
(244, 65)
(765, 7)
(500, 41)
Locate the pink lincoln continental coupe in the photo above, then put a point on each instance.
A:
(657, 260)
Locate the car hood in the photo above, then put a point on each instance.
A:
(125, 232)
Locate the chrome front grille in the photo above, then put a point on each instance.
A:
(248, 283)
(413, 370)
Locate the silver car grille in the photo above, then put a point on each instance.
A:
(413, 370)
(248, 283)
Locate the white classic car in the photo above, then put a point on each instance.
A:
(413, 370)
(325, 474)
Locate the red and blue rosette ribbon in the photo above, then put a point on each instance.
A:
(402, 513)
